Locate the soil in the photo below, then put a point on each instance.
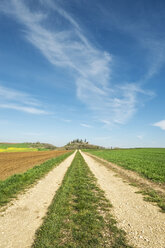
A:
(142, 221)
(19, 162)
(20, 220)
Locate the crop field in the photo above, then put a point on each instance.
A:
(14, 145)
(14, 184)
(18, 149)
(25, 147)
(68, 202)
(18, 162)
(148, 162)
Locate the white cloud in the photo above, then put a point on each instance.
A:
(67, 120)
(17, 100)
(18, 96)
(106, 122)
(69, 48)
(85, 125)
(30, 110)
(160, 124)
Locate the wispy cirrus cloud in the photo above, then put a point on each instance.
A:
(160, 124)
(20, 101)
(144, 30)
(85, 125)
(67, 46)
(30, 110)
(18, 96)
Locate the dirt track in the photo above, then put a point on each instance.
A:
(18, 162)
(20, 221)
(142, 221)
(132, 176)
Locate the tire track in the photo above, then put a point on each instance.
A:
(142, 221)
(20, 220)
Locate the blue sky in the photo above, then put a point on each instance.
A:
(83, 69)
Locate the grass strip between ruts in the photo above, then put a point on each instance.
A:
(79, 216)
(13, 185)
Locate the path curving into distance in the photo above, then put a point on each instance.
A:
(142, 221)
(20, 220)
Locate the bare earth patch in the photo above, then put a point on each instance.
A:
(142, 221)
(19, 162)
(21, 219)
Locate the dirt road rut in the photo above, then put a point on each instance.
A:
(20, 220)
(142, 221)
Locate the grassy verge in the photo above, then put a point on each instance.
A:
(148, 162)
(149, 193)
(18, 182)
(79, 216)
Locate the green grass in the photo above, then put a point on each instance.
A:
(151, 195)
(18, 145)
(79, 216)
(27, 147)
(18, 149)
(10, 187)
(148, 162)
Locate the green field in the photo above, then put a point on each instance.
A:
(148, 162)
(25, 147)
(17, 145)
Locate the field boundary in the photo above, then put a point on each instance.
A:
(17, 183)
(153, 192)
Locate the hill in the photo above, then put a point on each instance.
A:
(80, 144)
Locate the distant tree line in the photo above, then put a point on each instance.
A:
(78, 141)
(41, 145)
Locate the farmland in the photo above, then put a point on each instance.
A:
(19, 162)
(148, 162)
(18, 149)
(79, 214)
(13, 145)
(14, 184)
(25, 147)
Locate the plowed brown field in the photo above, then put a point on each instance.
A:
(18, 162)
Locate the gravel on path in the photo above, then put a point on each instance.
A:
(142, 221)
(20, 220)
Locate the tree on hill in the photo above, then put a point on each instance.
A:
(77, 141)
